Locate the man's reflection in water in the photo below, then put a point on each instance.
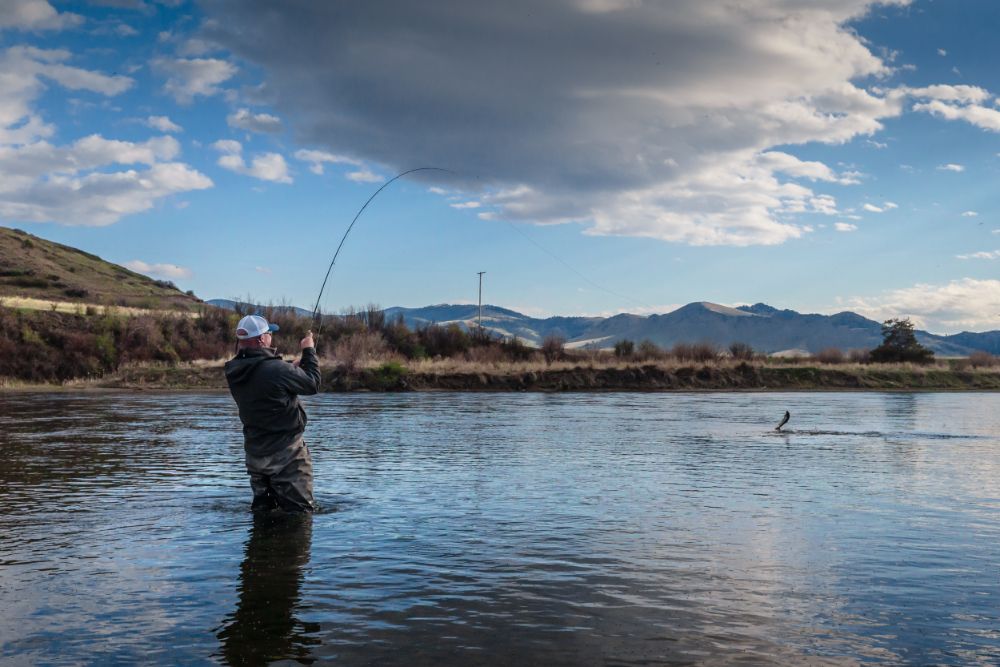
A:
(263, 628)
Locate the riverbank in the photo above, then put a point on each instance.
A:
(450, 376)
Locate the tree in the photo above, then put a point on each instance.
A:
(900, 344)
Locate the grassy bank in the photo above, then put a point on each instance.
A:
(449, 375)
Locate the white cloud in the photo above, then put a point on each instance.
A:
(23, 72)
(466, 204)
(188, 78)
(890, 205)
(942, 52)
(364, 176)
(262, 269)
(947, 93)
(228, 146)
(647, 137)
(245, 119)
(80, 183)
(965, 304)
(96, 198)
(951, 167)
(777, 161)
(844, 227)
(980, 116)
(317, 159)
(871, 208)
(163, 124)
(876, 144)
(981, 255)
(169, 271)
(969, 214)
(35, 15)
(265, 166)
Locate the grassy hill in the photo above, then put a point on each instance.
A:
(38, 269)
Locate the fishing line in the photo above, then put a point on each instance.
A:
(570, 267)
(351, 226)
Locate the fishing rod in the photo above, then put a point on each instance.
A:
(319, 321)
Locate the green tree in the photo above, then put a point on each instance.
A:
(900, 344)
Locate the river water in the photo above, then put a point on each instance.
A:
(507, 529)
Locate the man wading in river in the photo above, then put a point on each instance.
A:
(266, 389)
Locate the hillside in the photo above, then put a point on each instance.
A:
(763, 327)
(38, 269)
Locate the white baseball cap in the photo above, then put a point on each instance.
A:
(252, 326)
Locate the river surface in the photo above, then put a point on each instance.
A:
(507, 529)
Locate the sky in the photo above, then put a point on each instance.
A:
(601, 156)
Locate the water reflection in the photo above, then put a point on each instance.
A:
(507, 529)
(264, 627)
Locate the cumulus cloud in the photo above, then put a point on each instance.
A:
(667, 131)
(951, 167)
(872, 208)
(245, 119)
(35, 15)
(844, 227)
(163, 124)
(169, 271)
(24, 71)
(188, 78)
(969, 214)
(97, 198)
(264, 166)
(965, 304)
(982, 117)
(83, 182)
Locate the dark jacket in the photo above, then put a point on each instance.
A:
(266, 389)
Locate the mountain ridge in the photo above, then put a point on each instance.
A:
(765, 328)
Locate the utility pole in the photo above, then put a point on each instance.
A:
(481, 302)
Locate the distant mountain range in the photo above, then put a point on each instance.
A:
(763, 327)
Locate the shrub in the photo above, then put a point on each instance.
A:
(624, 348)
(553, 348)
(741, 351)
(446, 341)
(857, 356)
(830, 355)
(648, 350)
(703, 352)
(76, 292)
(981, 359)
(515, 349)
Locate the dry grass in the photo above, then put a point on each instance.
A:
(75, 308)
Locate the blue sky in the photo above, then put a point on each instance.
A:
(606, 155)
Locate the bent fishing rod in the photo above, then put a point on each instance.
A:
(316, 318)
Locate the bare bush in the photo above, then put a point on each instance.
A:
(981, 359)
(741, 351)
(704, 352)
(649, 351)
(553, 348)
(857, 356)
(624, 349)
(352, 352)
(830, 355)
